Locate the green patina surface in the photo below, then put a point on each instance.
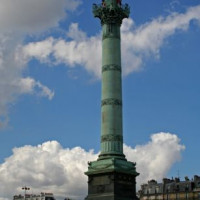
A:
(111, 177)
(112, 164)
(111, 13)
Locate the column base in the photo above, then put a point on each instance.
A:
(111, 156)
(111, 179)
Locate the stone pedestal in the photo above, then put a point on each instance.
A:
(111, 179)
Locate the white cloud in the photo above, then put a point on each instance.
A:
(12, 82)
(50, 167)
(46, 167)
(29, 85)
(145, 41)
(81, 50)
(4, 199)
(163, 150)
(33, 15)
(75, 34)
(39, 50)
(17, 19)
(138, 43)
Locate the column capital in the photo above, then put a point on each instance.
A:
(111, 14)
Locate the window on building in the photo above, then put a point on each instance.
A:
(168, 197)
(149, 190)
(177, 187)
(49, 198)
(167, 193)
(177, 196)
(186, 195)
(157, 189)
(198, 184)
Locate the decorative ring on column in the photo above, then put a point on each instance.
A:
(111, 67)
(110, 36)
(111, 101)
(111, 137)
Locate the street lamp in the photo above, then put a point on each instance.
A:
(25, 188)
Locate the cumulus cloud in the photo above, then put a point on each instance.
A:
(47, 167)
(29, 85)
(138, 43)
(50, 167)
(80, 50)
(17, 19)
(163, 150)
(33, 15)
(147, 40)
(12, 82)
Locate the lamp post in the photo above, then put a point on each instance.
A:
(25, 188)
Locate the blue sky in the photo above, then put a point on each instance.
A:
(49, 93)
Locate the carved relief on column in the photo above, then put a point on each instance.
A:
(111, 101)
(111, 67)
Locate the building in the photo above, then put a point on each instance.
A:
(171, 189)
(42, 196)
